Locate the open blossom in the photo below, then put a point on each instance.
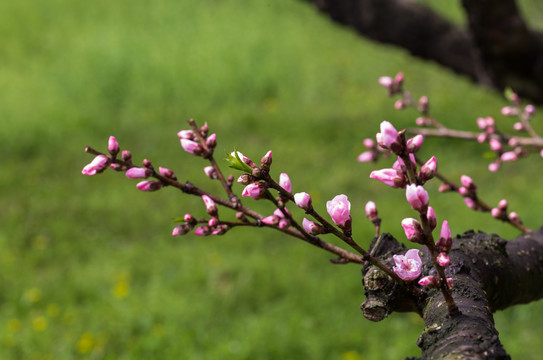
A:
(416, 196)
(303, 200)
(408, 266)
(339, 209)
(284, 182)
(97, 165)
(390, 177)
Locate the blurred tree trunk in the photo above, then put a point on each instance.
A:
(497, 49)
(489, 274)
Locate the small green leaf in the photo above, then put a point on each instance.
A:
(508, 92)
(489, 155)
(178, 219)
(235, 162)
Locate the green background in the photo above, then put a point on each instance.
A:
(88, 269)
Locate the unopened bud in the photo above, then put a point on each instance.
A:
(211, 172)
(414, 144)
(113, 146)
(429, 281)
(266, 161)
(211, 141)
(166, 172)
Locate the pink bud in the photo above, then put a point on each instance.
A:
(211, 172)
(513, 142)
(509, 111)
(181, 229)
(399, 104)
(189, 219)
(186, 134)
(255, 190)
(266, 161)
(271, 220)
(385, 81)
(211, 208)
(496, 213)
(283, 223)
(369, 143)
(428, 170)
(220, 229)
(482, 138)
(284, 182)
(467, 182)
(462, 190)
(429, 281)
(243, 158)
(213, 222)
(509, 156)
(495, 144)
(203, 230)
(494, 166)
(371, 210)
(279, 212)
(366, 156)
(408, 266)
(417, 197)
(149, 185)
(518, 126)
(443, 259)
(166, 172)
(388, 134)
(211, 141)
(423, 103)
(470, 203)
(450, 282)
(413, 230)
(513, 216)
(445, 238)
(431, 216)
(390, 177)
(503, 204)
(339, 209)
(414, 144)
(138, 173)
(245, 179)
(529, 110)
(481, 123)
(113, 146)
(398, 79)
(312, 227)
(126, 156)
(192, 147)
(97, 165)
(303, 200)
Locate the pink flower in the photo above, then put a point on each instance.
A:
(138, 173)
(166, 172)
(303, 200)
(255, 190)
(97, 165)
(385, 81)
(211, 141)
(203, 230)
(266, 161)
(408, 266)
(186, 134)
(312, 227)
(467, 182)
(495, 144)
(181, 229)
(471, 203)
(529, 110)
(113, 146)
(431, 216)
(443, 259)
(413, 230)
(417, 197)
(390, 177)
(149, 185)
(284, 182)
(211, 172)
(509, 110)
(192, 147)
(388, 135)
(371, 210)
(339, 209)
(271, 220)
(369, 143)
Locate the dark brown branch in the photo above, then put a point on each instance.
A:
(489, 274)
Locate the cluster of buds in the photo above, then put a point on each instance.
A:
(198, 143)
(500, 213)
(393, 85)
(469, 191)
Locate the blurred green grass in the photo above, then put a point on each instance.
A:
(87, 266)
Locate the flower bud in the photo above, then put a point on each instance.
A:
(113, 146)
(509, 111)
(388, 137)
(211, 208)
(495, 144)
(203, 230)
(429, 282)
(417, 197)
(431, 216)
(188, 218)
(414, 144)
(529, 110)
(192, 147)
(255, 190)
(245, 179)
(423, 104)
(467, 182)
(445, 238)
(149, 185)
(471, 203)
(266, 161)
(428, 170)
(369, 143)
(508, 156)
(390, 177)
(443, 259)
(126, 156)
(271, 220)
(97, 165)
(386, 81)
(312, 227)
(147, 163)
(211, 141)
(138, 173)
(367, 156)
(213, 222)
(186, 134)
(181, 229)
(211, 172)
(371, 210)
(284, 182)
(303, 201)
(494, 166)
(413, 230)
(339, 209)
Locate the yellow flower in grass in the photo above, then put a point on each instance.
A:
(14, 325)
(85, 344)
(39, 323)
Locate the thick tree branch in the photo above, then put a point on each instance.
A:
(489, 274)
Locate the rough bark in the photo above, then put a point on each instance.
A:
(489, 274)
(497, 49)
